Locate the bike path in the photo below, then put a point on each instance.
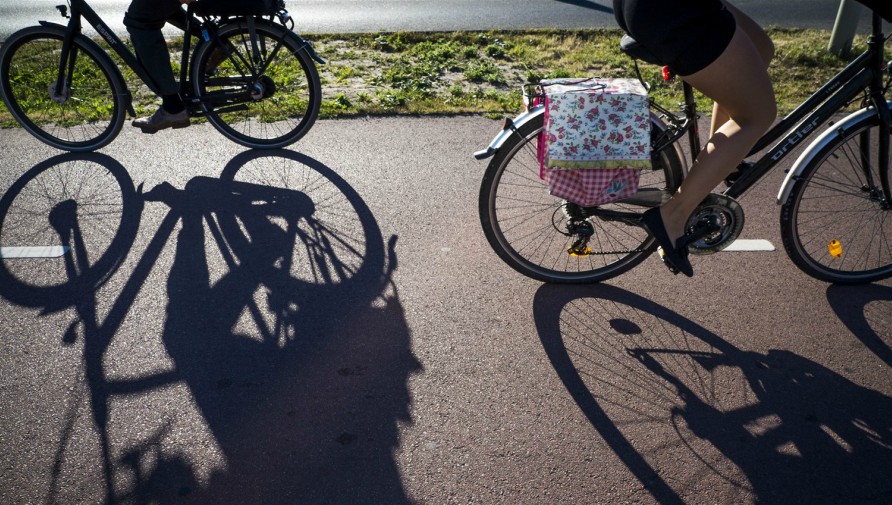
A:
(351, 16)
(393, 358)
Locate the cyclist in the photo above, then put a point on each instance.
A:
(724, 54)
(144, 20)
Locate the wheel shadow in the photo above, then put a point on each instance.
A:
(865, 310)
(691, 415)
(282, 325)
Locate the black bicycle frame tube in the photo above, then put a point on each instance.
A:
(803, 130)
(691, 112)
(862, 73)
(876, 42)
(813, 101)
(187, 48)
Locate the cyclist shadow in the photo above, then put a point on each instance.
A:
(282, 322)
(672, 398)
(865, 312)
(292, 340)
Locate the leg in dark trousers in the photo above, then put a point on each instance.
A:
(144, 20)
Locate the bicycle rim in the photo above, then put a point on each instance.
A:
(835, 226)
(86, 115)
(527, 227)
(273, 105)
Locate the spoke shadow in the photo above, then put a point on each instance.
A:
(283, 327)
(865, 310)
(83, 203)
(691, 415)
(298, 355)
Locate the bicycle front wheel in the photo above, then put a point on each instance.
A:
(836, 225)
(531, 230)
(262, 93)
(89, 110)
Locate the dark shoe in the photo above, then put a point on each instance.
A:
(742, 168)
(217, 57)
(675, 258)
(162, 119)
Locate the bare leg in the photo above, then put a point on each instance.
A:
(763, 45)
(739, 83)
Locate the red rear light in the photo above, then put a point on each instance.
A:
(667, 74)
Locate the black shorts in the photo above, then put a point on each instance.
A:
(687, 35)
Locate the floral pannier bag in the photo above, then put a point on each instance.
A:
(596, 139)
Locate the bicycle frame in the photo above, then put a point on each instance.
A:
(80, 10)
(863, 73)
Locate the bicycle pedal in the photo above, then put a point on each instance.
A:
(670, 266)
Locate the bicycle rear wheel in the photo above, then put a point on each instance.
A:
(261, 94)
(530, 229)
(838, 200)
(86, 115)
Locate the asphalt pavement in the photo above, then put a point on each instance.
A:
(353, 339)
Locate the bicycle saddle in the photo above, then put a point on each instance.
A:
(634, 49)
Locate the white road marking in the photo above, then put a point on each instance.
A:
(750, 245)
(48, 251)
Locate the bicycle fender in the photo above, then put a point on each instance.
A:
(809, 154)
(84, 40)
(507, 130)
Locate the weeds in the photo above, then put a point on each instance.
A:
(473, 72)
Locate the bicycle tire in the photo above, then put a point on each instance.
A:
(29, 64)
(832, 200)
(84, 202)
(518, 216)
(288, 89)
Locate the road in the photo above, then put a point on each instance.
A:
(334, 16)
(384, 354)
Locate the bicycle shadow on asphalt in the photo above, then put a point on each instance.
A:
(865, 310)
(692, 416)
(284, 326)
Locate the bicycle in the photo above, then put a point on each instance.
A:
(836, 201)
(66, 90)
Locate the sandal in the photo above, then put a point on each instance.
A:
(674, 257)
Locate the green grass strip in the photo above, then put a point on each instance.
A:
(482, 72)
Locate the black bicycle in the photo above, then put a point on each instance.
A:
(836, 214)
(249, 74)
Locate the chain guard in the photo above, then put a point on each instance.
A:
(719, 210)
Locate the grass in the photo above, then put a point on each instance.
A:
(482, 72)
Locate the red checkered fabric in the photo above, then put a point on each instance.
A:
(591, 186)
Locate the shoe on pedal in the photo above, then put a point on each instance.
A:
(675, 258)
(161, 120)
